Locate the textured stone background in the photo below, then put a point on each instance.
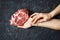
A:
(8, 7)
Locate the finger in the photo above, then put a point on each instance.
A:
(24, 26)
(19, 26)
(42, 20)
(34, 24)
(37, 18)
(33, 15)
(32, 19)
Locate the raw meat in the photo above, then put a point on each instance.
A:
(19, 17)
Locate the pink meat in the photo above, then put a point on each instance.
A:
(19, 17)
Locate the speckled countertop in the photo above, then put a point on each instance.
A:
(8, 7)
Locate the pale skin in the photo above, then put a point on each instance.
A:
(44, 20)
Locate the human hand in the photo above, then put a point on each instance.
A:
(27, 24)
(41, 17)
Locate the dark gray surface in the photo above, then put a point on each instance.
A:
(8, 7)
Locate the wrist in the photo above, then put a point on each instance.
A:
(55, 11)
(52, 13)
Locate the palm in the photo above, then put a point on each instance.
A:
(27, 24)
